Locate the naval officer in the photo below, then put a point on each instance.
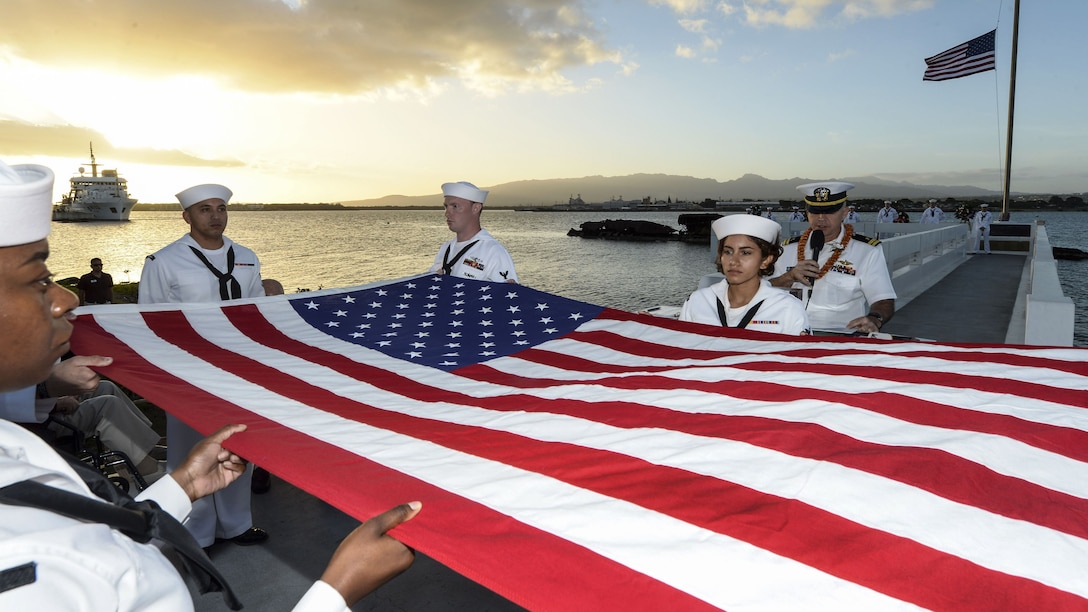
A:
(851, 288)
(206, 266)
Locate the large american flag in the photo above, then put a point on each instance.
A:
(972, 57)
(573, 457)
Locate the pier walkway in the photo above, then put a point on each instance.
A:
(976, 302)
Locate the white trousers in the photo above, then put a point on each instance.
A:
(982, 234)
(223, 514)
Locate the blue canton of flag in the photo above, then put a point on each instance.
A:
(445, 322)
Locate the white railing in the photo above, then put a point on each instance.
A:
(1049, 315)
(918, 255)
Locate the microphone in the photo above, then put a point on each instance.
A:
(816, 239)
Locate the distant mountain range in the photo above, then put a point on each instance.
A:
(593, 189)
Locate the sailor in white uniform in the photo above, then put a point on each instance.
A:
(932, 213)
(852, 215)
(888, 214)
(983, 219)
(206, 266)
(796, 217)
(747, 250)
(473, 252)
(848, 277)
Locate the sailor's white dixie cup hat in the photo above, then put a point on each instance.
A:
(26, 202)
(466, 190)
(199, 193)
(825, 197)
(747, 225)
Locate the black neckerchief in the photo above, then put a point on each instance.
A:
(745, 320)
(229, 289)
(142, 521)
(447, 263)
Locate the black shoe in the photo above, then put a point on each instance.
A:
(262, 481)
(251, 536)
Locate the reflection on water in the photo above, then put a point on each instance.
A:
(344, 248)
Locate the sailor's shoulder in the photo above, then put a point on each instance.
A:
(865, 239)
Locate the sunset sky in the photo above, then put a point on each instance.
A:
(336, 100)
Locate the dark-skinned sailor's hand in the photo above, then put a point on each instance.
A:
(210, 467)
(74, 376)
(369, 557)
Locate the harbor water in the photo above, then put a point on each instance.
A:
(326, 249)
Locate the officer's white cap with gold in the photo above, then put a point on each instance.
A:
(747, 225)
(466, 190)
(199, 193)
(825, 197)
(26, 203)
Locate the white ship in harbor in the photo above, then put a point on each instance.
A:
(95, 197)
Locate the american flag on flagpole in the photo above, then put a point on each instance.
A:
(573, 457)
(972, 57)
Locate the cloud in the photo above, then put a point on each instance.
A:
(685, 52)
(315, 46)
(683, 7)
(694, 25)
(22, 139)
(802, 14)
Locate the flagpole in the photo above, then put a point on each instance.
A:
(1012, 105)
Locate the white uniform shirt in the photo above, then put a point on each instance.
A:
(780, 312)
(486, 260)
(175, 275)
(932, 215)
(797, 216)
(887, 215)
(852, 217)
(858, 279)
(983, 218)
(79, 564)
(88, 565)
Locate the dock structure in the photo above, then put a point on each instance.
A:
(974, 303)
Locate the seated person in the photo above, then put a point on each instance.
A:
(747, 250)
(109, 414)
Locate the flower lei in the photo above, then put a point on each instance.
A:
(849, 233)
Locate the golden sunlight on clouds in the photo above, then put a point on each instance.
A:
(320, 46)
